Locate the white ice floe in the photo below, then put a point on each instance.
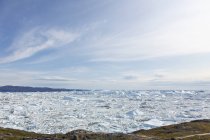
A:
(107, 111)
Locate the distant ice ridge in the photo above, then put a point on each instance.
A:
(107, 111)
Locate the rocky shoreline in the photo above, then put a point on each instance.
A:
(194, 130)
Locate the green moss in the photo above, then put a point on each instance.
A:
(198, 138)
(13, 134)
(179, 130)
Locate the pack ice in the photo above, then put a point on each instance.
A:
(106, 111)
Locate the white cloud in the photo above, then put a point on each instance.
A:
(56, 79)
(33, 78)
(17, 77)
(184, 31)
(35, 41)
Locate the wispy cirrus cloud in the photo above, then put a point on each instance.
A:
(56, 79)
(37, 40)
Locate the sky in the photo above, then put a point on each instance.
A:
(109, 44)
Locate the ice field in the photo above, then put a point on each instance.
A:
(105, 110)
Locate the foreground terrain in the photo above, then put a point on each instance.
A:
(194, 130)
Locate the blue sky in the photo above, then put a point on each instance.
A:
(110, 44)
